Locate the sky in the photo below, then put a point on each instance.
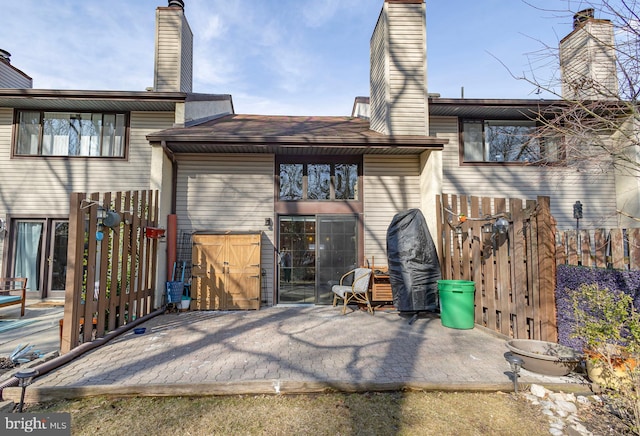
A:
(285, 57)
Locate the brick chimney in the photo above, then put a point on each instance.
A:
(174, 49)
(588, 59)
(398, 75)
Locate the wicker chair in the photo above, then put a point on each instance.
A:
(357, 292)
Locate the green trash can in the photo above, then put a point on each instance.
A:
(456, 303)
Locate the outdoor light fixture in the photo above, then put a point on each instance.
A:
(457, 230)
(24, 379)
(268, 222)
(101, 213)
(487, 228)
(516, 363)
(501, 226)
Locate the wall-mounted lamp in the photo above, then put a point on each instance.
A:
(106, 218)
(3, 226)
(500, 226)
(268, 222)
(457, 230)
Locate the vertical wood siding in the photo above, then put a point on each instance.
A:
(391, 185)
(232, 192)
(564, 186)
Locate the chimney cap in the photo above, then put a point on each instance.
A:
(176, 4)
(5, 55)
(582, 16)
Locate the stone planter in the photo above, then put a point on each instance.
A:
(543, 357)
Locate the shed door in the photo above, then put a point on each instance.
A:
(226, 271)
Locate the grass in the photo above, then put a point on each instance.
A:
(397, 413)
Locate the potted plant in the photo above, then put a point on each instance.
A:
(608, 324)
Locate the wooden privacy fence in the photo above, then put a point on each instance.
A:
(110, 270)
(514, 272)
(617, 248)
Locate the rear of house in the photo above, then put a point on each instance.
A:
(272, 209)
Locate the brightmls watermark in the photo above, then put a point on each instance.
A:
(49, 424)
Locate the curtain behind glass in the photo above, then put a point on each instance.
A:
(28, 250)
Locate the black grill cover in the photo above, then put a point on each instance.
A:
(414, 269)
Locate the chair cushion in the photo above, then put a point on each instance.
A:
(340, 290)
(9, 298)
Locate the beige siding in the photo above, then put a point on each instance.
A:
(391, 185)
(398, 71)
(378, 79)
(588, 62)
(38, 185)
(10, 78)
(174, 51)
(407, 69)
(229, 193)
(186, 54)
(565, 186)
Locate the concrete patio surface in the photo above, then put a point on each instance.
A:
(38, 327)
(288, 349)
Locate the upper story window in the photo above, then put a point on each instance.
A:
(300, 181)
(70, 134)
(507, 141)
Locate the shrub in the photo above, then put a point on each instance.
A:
(569, 280)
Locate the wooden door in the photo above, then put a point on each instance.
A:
(208, 271)
(243, 272)
(226, 271)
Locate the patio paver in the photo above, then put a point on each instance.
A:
(295, 349)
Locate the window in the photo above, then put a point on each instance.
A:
(70, 134)
(507, 141)
(318, 181)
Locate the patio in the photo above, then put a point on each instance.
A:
(288, 349)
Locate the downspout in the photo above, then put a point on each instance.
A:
(78, 351)
(172, 218)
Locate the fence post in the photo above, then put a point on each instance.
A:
(547, 270)
(73, 288)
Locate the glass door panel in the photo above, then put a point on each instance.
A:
(315, 251)
(337, 252)
(28, 250)
(57, 260)
(297, 260)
